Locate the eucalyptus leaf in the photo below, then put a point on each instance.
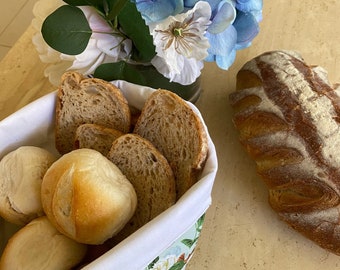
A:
(115, 7)
(67, 30)
(84, 2)
(109, 8)
(135, 28)
(144, 75)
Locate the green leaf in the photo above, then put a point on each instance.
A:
(188, 242)
(178, 265)
(135, 28)
(67, 30)
(150, 266)
(115, 7)
(200, 221)
(109, 8)
(120, 71)
(84, 2)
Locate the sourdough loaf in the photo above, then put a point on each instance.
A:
(170, 124)
(287, 114)
(83, 100)
(149, 173)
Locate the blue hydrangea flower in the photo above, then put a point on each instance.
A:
(157, 10)
(234, 25)
(238, 34)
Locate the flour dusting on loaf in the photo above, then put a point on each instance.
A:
(287, 113)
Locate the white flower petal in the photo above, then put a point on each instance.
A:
(186, 76)
(96, 22)
(180, 41)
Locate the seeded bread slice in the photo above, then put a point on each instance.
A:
(83, 100)
(96, 137)
(171, 125)
(149, 173)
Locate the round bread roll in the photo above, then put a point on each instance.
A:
(21, 174)
(39, 245)
(87, 197)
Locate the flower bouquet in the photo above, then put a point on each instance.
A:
(143, 42)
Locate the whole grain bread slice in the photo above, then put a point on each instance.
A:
(83, 100)
(170, 124)
(149, 173)
(96, 137)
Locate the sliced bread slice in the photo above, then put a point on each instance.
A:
(170, 124)
(96, 137)
(83, 100)
(149, 173)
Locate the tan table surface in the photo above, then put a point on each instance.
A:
(240, 231)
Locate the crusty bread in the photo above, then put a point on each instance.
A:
(170, 124)
(95, 137)
(87, 100)
(21, 174)
(288, 115)
(40, 246)
(86, 196)
(150, 174)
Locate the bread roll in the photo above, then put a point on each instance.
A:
(21, 174)
(40, 246)
(87, 197)
(171, 125)
(288, 115)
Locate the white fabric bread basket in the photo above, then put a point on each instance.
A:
(170, 238)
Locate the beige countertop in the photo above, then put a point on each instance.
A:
(240, 230)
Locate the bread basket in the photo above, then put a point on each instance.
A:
(169, 239)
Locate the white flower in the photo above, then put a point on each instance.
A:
(165, 263)
(181, 45)
(105, 46)
(48, 55)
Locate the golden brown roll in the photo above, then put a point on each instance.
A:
(21, 174)
(87, 197)
(288, 116)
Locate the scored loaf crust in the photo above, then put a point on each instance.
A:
(287, 114)
(170, 124)
(95, 137)
(149, 173)
(83, 100)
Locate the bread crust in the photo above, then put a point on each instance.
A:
(83, 100)
(170, 124)
(86, 197)
(40, 237)
(21, 175)
(151, 176)
(288, 115)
